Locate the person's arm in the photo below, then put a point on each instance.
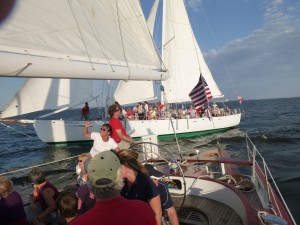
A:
(172, 215)
(32, 199)
(48, 194)
(117, 149)
(125, 138)
(86, 132)
(156, 207)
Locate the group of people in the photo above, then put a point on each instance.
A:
(144, 111)
(137, 177)
(112, 184)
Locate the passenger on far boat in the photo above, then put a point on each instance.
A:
(104, 171)
(85, 112)
(11, 205)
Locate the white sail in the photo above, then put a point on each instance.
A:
(95, 39)
(152, 16)
(138, 91)
(182, 55)
(134, 91)
(38, 94)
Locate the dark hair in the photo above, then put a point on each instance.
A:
(37, 176)
(108, 127)
(67, 204)
(112, 109)
(130, 157)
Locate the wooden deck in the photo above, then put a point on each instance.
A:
(216, 213)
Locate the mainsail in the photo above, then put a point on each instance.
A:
(95, 39)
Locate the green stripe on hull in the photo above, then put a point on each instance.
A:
(191, 134)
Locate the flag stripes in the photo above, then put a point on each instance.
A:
(200, 93)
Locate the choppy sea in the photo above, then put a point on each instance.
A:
(273, 126)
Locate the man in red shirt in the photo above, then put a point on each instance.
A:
(85, 112)
(118, 131)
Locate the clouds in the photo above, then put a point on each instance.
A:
(264, 64)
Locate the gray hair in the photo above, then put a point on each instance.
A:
(107, 193)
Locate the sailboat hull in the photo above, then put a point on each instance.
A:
(70, 132)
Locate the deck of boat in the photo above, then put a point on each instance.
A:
(204, 211)
(198, 210)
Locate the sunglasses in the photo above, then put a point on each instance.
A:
(104, 129)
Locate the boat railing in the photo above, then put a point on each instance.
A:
(267, 179)
(59, 172)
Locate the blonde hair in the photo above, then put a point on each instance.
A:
(6, 186)
(85, 155)
(131, 159)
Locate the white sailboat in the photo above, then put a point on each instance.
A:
(116, 47)
(183, 58)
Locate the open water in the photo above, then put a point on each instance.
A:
(273, 125)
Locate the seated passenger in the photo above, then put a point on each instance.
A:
(105, 174)
(67, 206)
(86, 199)
(129, 114)
(11, 204)
(192, 112)
(82, 175)
(45, 194)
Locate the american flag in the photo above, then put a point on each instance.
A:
(200, 93)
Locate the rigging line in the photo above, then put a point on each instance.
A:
(122, 41)
(40, 165)
(151, 33)
(178, 146)
(156, 33)
(17, 72)
(81, 35)
(222, 58)
(96, 37)
(194, 40)
(16, 130)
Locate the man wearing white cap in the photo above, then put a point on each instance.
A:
(104, 172)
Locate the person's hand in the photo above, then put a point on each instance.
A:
(33, 205)
(35, 221)
(88, 124)
(135, 142)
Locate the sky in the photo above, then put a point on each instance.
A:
(252, 47)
